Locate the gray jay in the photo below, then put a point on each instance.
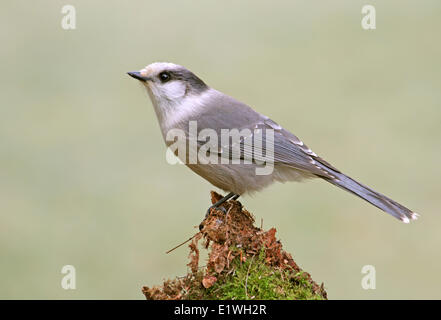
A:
(180, 98)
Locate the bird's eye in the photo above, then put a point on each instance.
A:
(164, 77)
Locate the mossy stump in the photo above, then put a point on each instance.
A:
(244, 262)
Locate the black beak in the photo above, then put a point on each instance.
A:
(138, 76)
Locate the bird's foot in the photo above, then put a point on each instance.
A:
(217, 206)
(208, 213)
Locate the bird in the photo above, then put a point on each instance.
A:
(180, 98)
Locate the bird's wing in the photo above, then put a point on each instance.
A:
(287, 149)
(227, 113)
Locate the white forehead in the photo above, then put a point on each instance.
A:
(157, 67)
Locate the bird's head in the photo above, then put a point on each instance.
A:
(169, 84)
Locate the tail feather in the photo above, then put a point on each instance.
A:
(377, 199)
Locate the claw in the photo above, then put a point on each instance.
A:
(215, 207)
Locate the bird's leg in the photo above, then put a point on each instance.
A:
(217, 204)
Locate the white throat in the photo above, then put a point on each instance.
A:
(174, 109)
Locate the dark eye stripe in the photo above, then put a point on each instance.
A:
(192, 82)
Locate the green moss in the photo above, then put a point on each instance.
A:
(254, 279)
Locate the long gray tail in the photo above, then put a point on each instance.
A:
(377, 199)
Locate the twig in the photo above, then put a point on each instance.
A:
(226, 221)
(246, 280)
(181, 244)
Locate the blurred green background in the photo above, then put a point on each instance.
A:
(83, 176)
